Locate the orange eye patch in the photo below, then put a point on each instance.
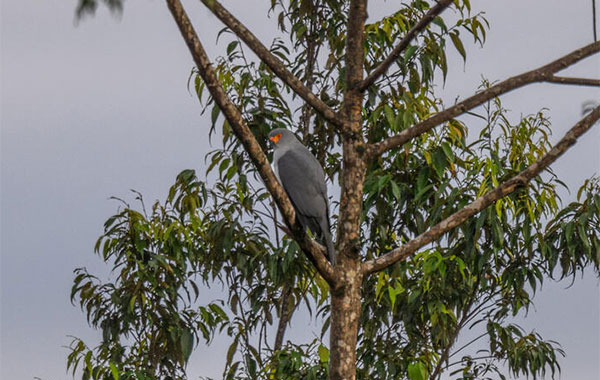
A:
(275, 138)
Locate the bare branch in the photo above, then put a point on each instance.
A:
(314, 251)
(574, 81)
(468, 344)
(312, 52)
(541, 74)
(408, 38)
(486, 200)
(273, 62)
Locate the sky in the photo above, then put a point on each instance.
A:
(92, 109)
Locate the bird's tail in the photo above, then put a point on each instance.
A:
(330, 247)
(325, 237)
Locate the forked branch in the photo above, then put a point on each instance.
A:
(273, 62)
(486, 200)
(542, 74)
(315, 251)
(408, 38)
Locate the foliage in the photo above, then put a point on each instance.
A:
(477, 277)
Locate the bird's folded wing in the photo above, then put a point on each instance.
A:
(302, 179)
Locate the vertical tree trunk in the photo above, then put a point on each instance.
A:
(345, 315)
(346, 297)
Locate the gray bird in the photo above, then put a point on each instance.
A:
(302, 178)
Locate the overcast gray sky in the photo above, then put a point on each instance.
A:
(93, 110)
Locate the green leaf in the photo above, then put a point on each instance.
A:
(410, 51)
(448, 151)
(187, 343)
(389, 114)
(231, 351)
(214, 114)
(439, 162)
(231, 46)
(323, 354)
(251, 366)
(88, 361)
(440, 22)
(114, 370)
(583, 237)
(417, 371)
(396, 191)
(458, 45)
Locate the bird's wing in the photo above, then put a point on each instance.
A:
(302, 178)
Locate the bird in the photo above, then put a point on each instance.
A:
(303, 180)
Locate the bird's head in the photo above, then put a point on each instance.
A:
(281, 136)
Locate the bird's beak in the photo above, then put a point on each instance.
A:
(275, 138)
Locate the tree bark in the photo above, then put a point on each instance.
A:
(346, 296)
(345, 315)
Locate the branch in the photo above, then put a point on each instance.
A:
(314, 251)
(468, 344)
(575, 81)
(312, 52)
(284, 317)
(273, 62)
(542, 74)
(484, 201)
(408, 38)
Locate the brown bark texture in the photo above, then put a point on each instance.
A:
(345, 280)
(345, 315)
(345, 298)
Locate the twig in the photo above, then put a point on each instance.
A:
(284, 317)
(475, 358)
(594, 20)
(444, 357)
(468, 344)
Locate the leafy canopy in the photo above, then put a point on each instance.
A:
(222, 231)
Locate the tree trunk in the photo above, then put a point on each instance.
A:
(345, 315)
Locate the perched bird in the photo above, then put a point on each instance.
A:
(303, 179)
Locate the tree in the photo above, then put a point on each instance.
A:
(437, 232)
